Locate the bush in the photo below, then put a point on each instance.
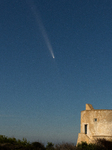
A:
(100, 144)
(105, 144)
(12, 144)
(50, 146)
(38, 145)
(65, 146)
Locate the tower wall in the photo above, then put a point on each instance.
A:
(95, 124)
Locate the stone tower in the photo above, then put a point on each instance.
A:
(95, 123)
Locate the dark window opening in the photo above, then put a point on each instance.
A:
(95, 119)
(85, 128)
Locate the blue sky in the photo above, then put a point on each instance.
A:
(41, 96)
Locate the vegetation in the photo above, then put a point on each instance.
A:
(14, 144)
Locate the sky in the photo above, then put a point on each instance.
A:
(55, 56)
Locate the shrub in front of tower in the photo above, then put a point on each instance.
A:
(90, 146)
(105, 144)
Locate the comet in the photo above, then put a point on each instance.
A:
(42, 29)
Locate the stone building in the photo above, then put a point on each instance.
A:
(95, 123)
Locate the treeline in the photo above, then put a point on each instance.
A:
(17, 144)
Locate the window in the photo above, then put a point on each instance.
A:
(85, 128)
(95, 119)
